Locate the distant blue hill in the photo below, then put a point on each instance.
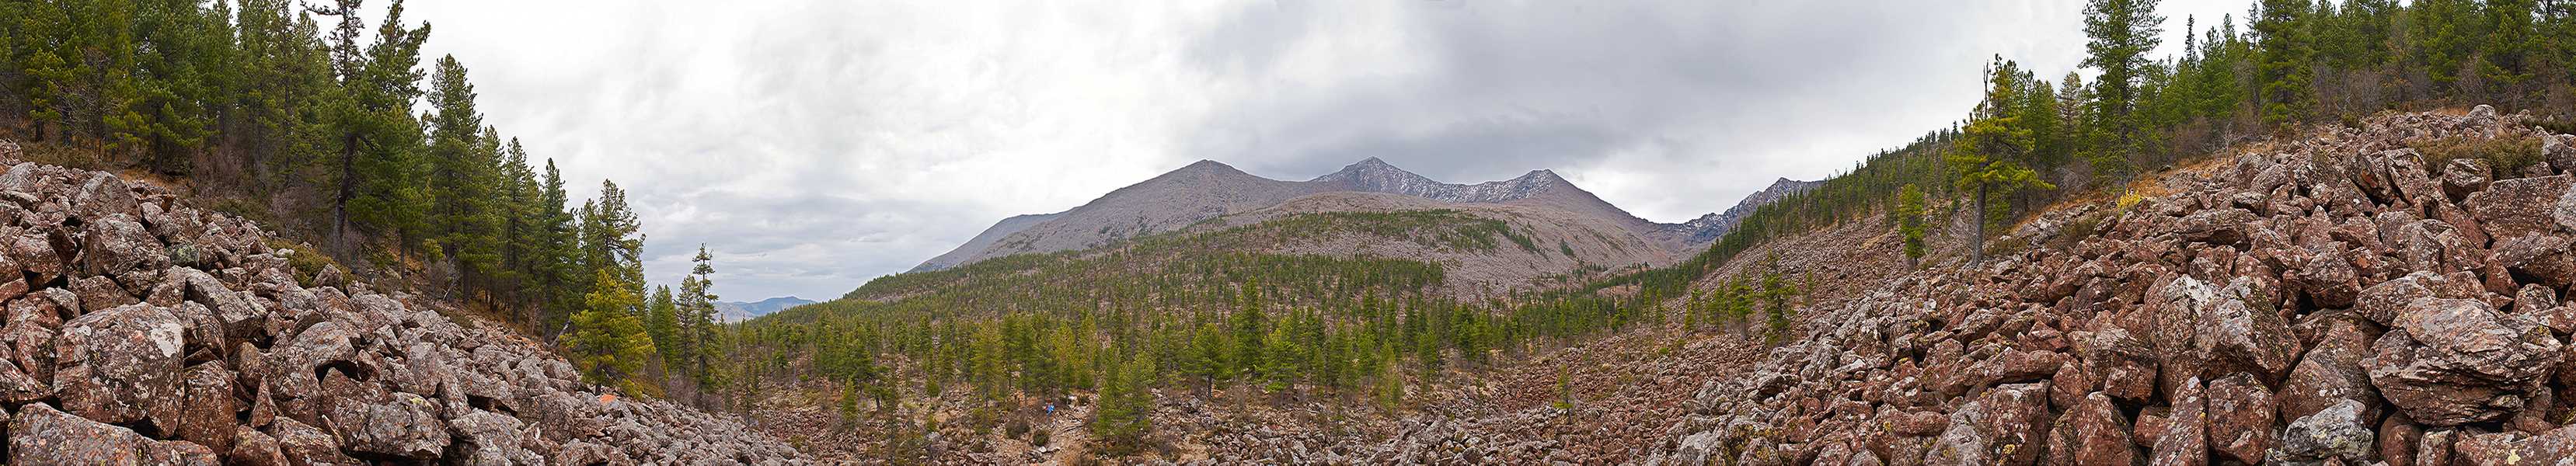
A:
(733, 311)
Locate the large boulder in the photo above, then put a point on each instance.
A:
(209, 408)
(2101, 435)
(2544, 257)
(2183, 440)
(121, 365)
(368, 419)
(2006, 426)
(2331, 373)
(42, 436)
(2448, 362)
(2240, 418)
(304, 445)
(487, 438)
(2520, 206)
(2206, 332)
(117, 244)
(2338, 432)
(2381, 303)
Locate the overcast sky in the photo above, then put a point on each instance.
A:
(813, 145)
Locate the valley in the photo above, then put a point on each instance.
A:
(264, 232)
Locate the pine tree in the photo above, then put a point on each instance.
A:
(520, 207)
(1124, 415)
(662, 325)
(464, 171)
(1909, 221)
(558, 266)
(698, 312)
(1984, 157)
(609, 235)
(2121, 33)
(378, 138)
(1282, 358)
(609, 343)
(2281, 30)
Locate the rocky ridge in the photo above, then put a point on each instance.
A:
(140, 330)
(1206, 190)
(1376, 176)
(1708, 228)
(2341, 299)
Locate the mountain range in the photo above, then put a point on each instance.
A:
(737, 311)
(1208, 190)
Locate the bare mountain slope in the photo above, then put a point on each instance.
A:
(1207, 190)
(1544, 242)
(1007, 227)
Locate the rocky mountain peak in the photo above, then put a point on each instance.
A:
(1710, 227)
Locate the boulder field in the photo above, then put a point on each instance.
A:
(2343, 299)
(139, 330)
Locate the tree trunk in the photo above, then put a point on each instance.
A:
(1977, 245)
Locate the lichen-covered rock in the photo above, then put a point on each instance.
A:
(121, 365)
(2335, 433)
(2240, 417)
(2331, 372)
(42, 436)
(253, 448)
(2008, 426)
(209, 408)
(2454, 361)
(2183, 439)
(2101, 434)
(2515, 207)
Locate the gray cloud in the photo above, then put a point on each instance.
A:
(814, 144)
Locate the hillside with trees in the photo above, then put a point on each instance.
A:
(333, 129)
(2034, 142)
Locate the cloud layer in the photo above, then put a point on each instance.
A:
(813, 145)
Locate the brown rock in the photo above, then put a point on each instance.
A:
(206, 416)
(365, 418)
(121, 365)
(2520, 206)
(179, 453)
(2540, 256)
(2382, 302)
(2007, 426)
(2454, 361)
(41, 436)
(2464, 176)
(118, 244)
(252, 448)
(2330, 373)
(306, 446)
(2101, 436)
(2240, 418)
(2398, 439)
(2184, 440)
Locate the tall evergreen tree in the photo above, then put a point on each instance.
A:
(464, 173)
(698, 312)
(662, 323)
(1984, 158)
(2281, 29)
(2120, 35)
(609, 343)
